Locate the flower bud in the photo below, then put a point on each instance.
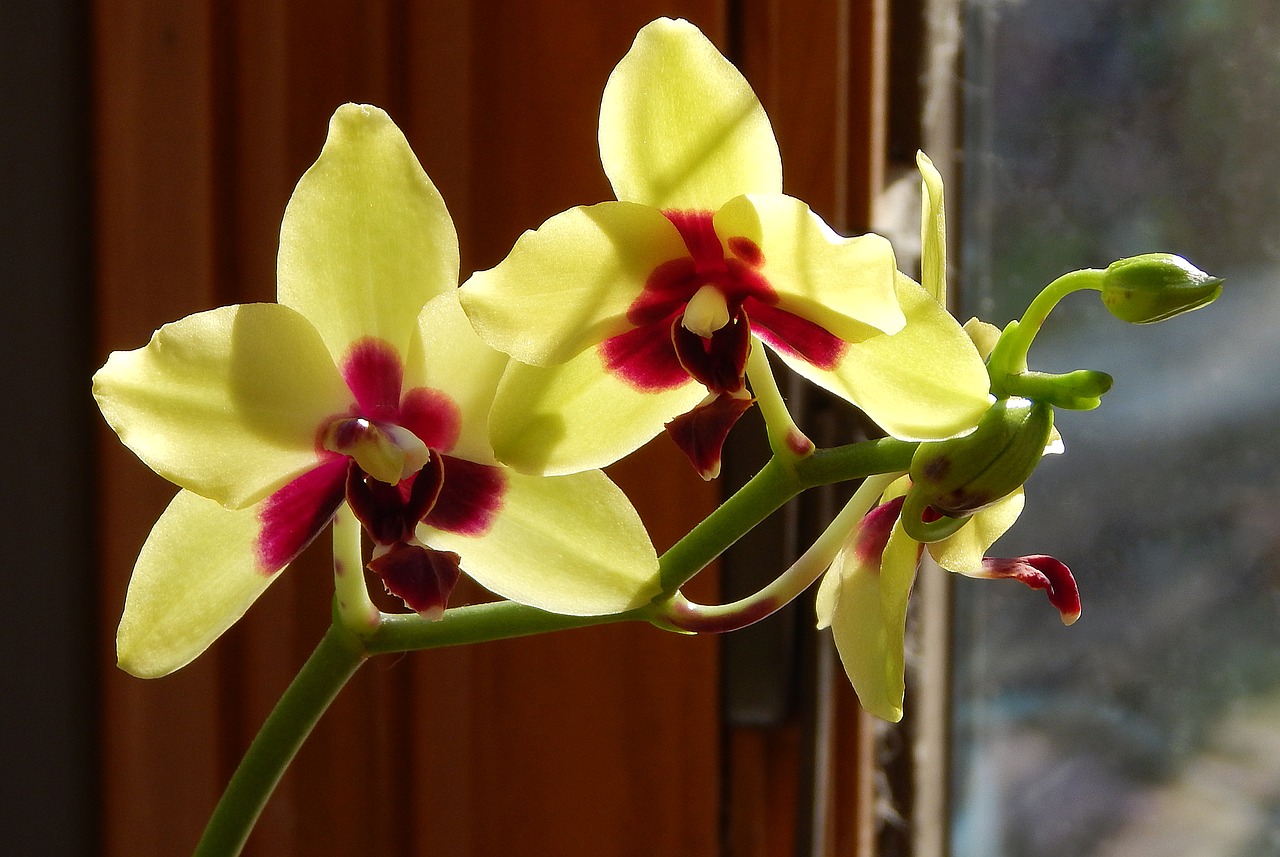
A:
(958, 477)
(1156, 286)
(1081, 390)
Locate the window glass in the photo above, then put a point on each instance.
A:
(1097, 129)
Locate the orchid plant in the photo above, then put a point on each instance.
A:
(440, 430)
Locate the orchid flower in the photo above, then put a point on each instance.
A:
(863, 596)
(630, 315)
(363, 385)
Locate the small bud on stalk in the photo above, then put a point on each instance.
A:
(1156, 286)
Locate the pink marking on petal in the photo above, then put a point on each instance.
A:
(1040, 572)
(645, 358)
(794, 335)
(743, 282)
(295, 514)
(374, 373)
(699, 233)
(701, 433)
(873, 532)
(469, 499)
(746, 250)
(432, 416)
(666, 290)
(420, 577)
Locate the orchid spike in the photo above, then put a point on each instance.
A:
(365, 384)
(626, 315)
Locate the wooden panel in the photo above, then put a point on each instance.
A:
(155, 251)
(600, 742)
(820, 72)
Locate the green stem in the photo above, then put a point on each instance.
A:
(685, 615)
(1009, 357)
(775, 484)
(479, 623)
(785, 437)
(334, 661)
(356, 610)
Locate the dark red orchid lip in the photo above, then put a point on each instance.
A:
(701, 433)
(419, 576)
(1040, 572)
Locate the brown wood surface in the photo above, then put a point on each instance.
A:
(601, 742)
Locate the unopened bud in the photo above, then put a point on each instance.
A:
(958, 477)
(1081, 390)
(1156, 286)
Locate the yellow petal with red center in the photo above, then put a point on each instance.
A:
(568, 544)
(925, 382)
(933, 231)
(366, 239)
(963, 551)
(448, 357)
(681, 128)
(863, 598)
(568, 285)
(197, 574)
(228, 403)
(844, 285)
(578, 416)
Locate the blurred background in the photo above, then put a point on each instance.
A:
(1094, 130)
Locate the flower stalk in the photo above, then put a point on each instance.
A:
(681, 614)
(352, 603)
(785, 437)
(317, 684)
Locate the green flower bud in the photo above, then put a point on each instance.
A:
(958, 477)
(1081, 390)
(1155, 286)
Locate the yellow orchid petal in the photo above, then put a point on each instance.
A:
(681, 128)
(962, 552)
(845, 285)
(448, 357)
(863, 598)
(925, 382)
(366, 239)
(933, 231)
(197, 574)
(227, 403)
(568, 285)
(567, 544)
(577, 416)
